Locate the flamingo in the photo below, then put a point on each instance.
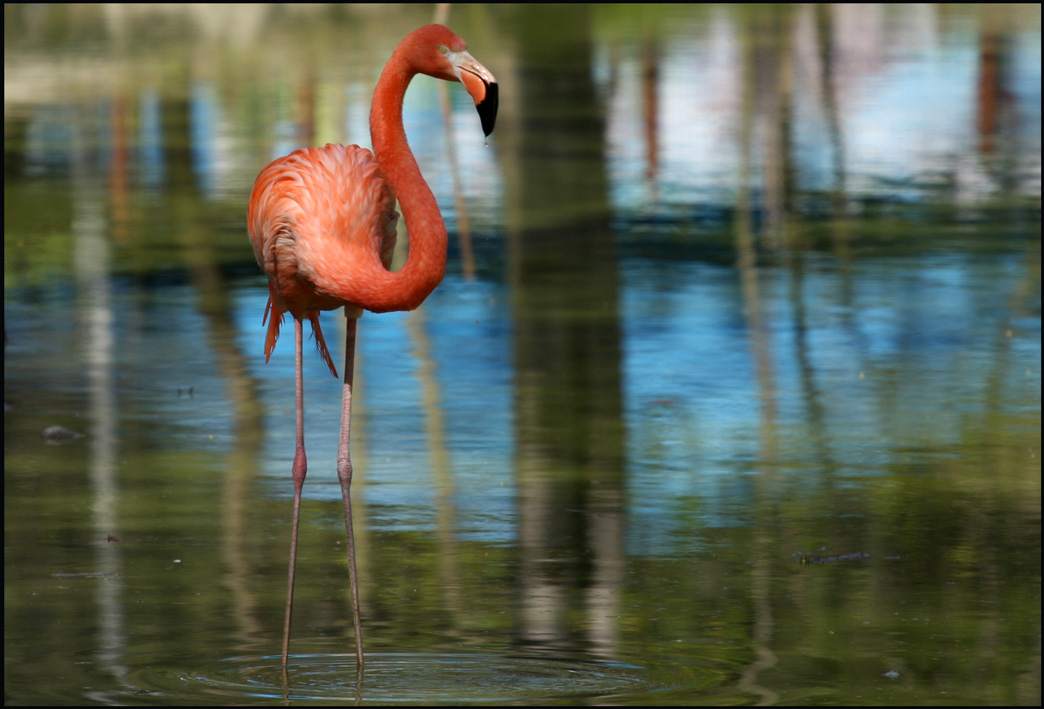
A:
(322, 224)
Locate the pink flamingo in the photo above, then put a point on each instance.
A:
(322, 224)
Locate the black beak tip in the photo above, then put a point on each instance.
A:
(487, 110)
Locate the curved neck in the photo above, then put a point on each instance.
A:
(426, 263)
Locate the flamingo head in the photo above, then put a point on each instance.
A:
(436, 51)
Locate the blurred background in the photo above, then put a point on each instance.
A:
(731, 393)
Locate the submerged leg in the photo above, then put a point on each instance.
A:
(300, 467)
(344, 475)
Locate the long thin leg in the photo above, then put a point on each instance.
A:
(300, 468)
(344, 475)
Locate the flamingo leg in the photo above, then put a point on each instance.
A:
(344, 475)
(299, 470)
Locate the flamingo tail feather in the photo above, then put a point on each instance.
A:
(320, 342)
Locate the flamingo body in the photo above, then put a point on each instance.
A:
(322, 224)
(319, 220)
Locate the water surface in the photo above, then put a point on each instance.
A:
(731, 393)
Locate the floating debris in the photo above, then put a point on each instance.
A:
(60, 434)
(806, 559)
(85, 575)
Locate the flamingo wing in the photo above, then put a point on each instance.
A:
(317, 218)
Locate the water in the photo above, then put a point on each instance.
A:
(744, 286)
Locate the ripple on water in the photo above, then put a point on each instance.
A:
(407, 678)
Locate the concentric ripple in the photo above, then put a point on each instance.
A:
(405, 678)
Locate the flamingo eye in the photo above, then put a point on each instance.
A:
(443, 49)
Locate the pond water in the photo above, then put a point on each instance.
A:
(731, 393)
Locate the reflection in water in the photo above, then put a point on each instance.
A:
(742, 282)
(567, 344)
(823, 39)
(242, 460)
(651, 110)
(96, 305)
(467, 258)
(761, 77)
(442, 478)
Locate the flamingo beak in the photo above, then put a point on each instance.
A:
(480, 84)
